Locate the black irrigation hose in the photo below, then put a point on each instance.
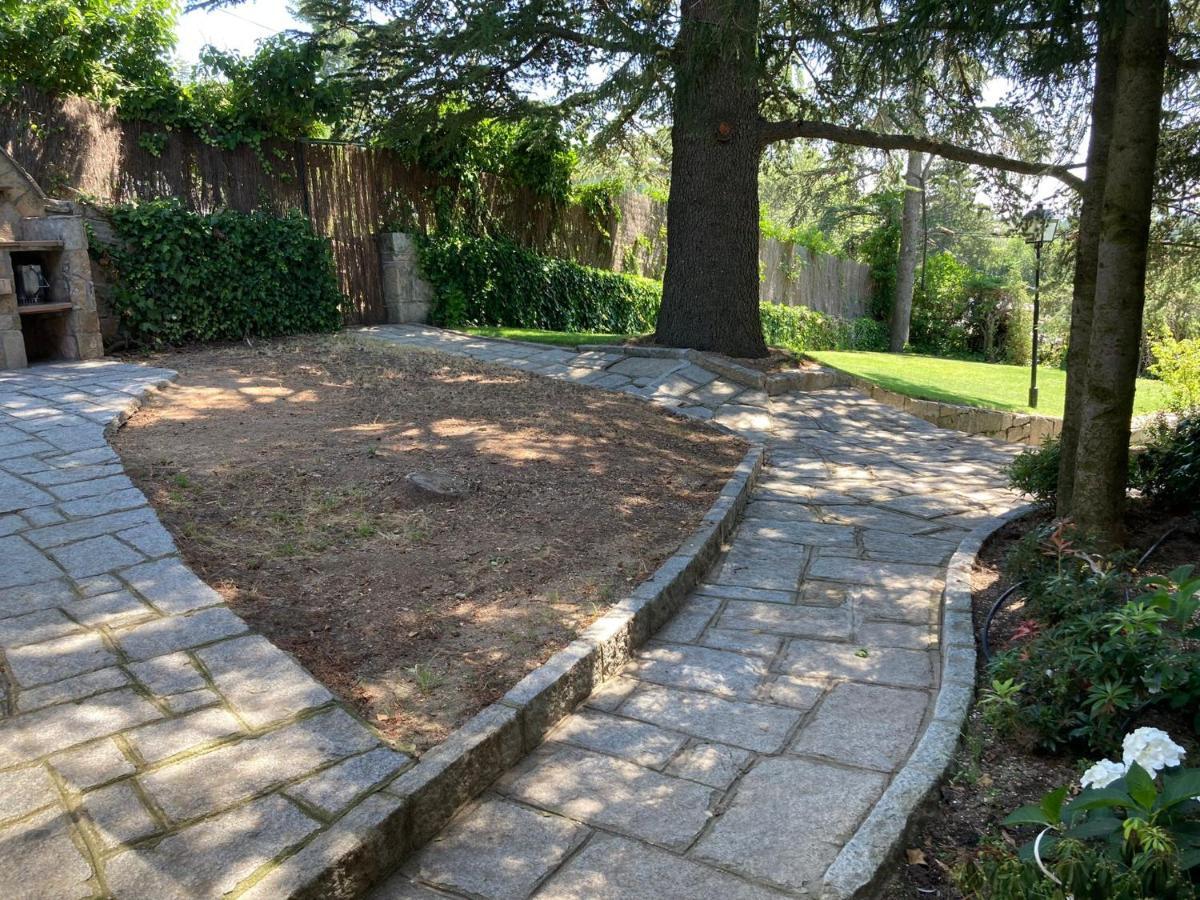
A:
(987, 622)
(984, 641)
(1145, 556)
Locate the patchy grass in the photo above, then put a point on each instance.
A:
(557, 338)
(281, 471)
(987, 385)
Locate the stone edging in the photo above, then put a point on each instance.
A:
(773, 383)
(862, 858)
(375, 836)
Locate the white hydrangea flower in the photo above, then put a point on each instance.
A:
(1152, 749)
(1102, 774)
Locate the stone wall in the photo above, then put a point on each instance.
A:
(1015, 428)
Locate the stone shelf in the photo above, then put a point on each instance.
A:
(32, 309)
(30, 246)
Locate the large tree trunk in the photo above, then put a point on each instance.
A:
(710, 290)
(1087, 247)
(1102, 455)
(910, 239)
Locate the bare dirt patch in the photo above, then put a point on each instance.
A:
(282, 470)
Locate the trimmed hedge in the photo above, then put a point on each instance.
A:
(800, 328)
(480, 282)
(181, 276)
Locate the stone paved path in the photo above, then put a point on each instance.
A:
(740, 749)
(150, 746)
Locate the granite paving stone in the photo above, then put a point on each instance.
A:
(787, 819)
(753, 726)
(170, 586)
(24, 790)
(886, 665)
(42, 625)
(39, 851)
(211, 781)
(212, 857)
(174, 736)
(63, 657)
(615, 868)
(617, 795)
(262, 682)
(716, 765)
(332, 790)
(94, 556)
(114, 610)
(784, 620)
(864, 725)
(639, 742)
(172, 633)
(74, 688)
(23, 564)
(698, 668)
(44, 731)
(118, 814)
(496, 849)
(91, 765)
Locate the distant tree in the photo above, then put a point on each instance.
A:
(92, 48)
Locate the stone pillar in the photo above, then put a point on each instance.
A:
(407, 295)
(12, 342)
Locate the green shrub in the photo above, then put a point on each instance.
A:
(1100, 647)
(180, 276)
(1035, 472)
(1177, 363)
(481, 281)
(1169, 470)
(799, 328)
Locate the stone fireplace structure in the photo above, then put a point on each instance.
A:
(47, 304)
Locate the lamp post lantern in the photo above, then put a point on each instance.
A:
(1039, 229)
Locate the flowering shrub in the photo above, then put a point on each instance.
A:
(1132, 832)
(1106, 645)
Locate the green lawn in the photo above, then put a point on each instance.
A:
(558, 338)
(972, 383)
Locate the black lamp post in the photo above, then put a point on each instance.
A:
(1039, 229)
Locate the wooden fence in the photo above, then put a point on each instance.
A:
(77, 150)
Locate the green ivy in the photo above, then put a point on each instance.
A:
(180, 276)
(601, 201)
(481, 282)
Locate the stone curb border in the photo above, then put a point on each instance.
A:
(377, 834)
(861, 859)
(773, 383)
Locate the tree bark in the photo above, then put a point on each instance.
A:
(710, 288)
(910, 237)
(1087, 246)
(1102, 455)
